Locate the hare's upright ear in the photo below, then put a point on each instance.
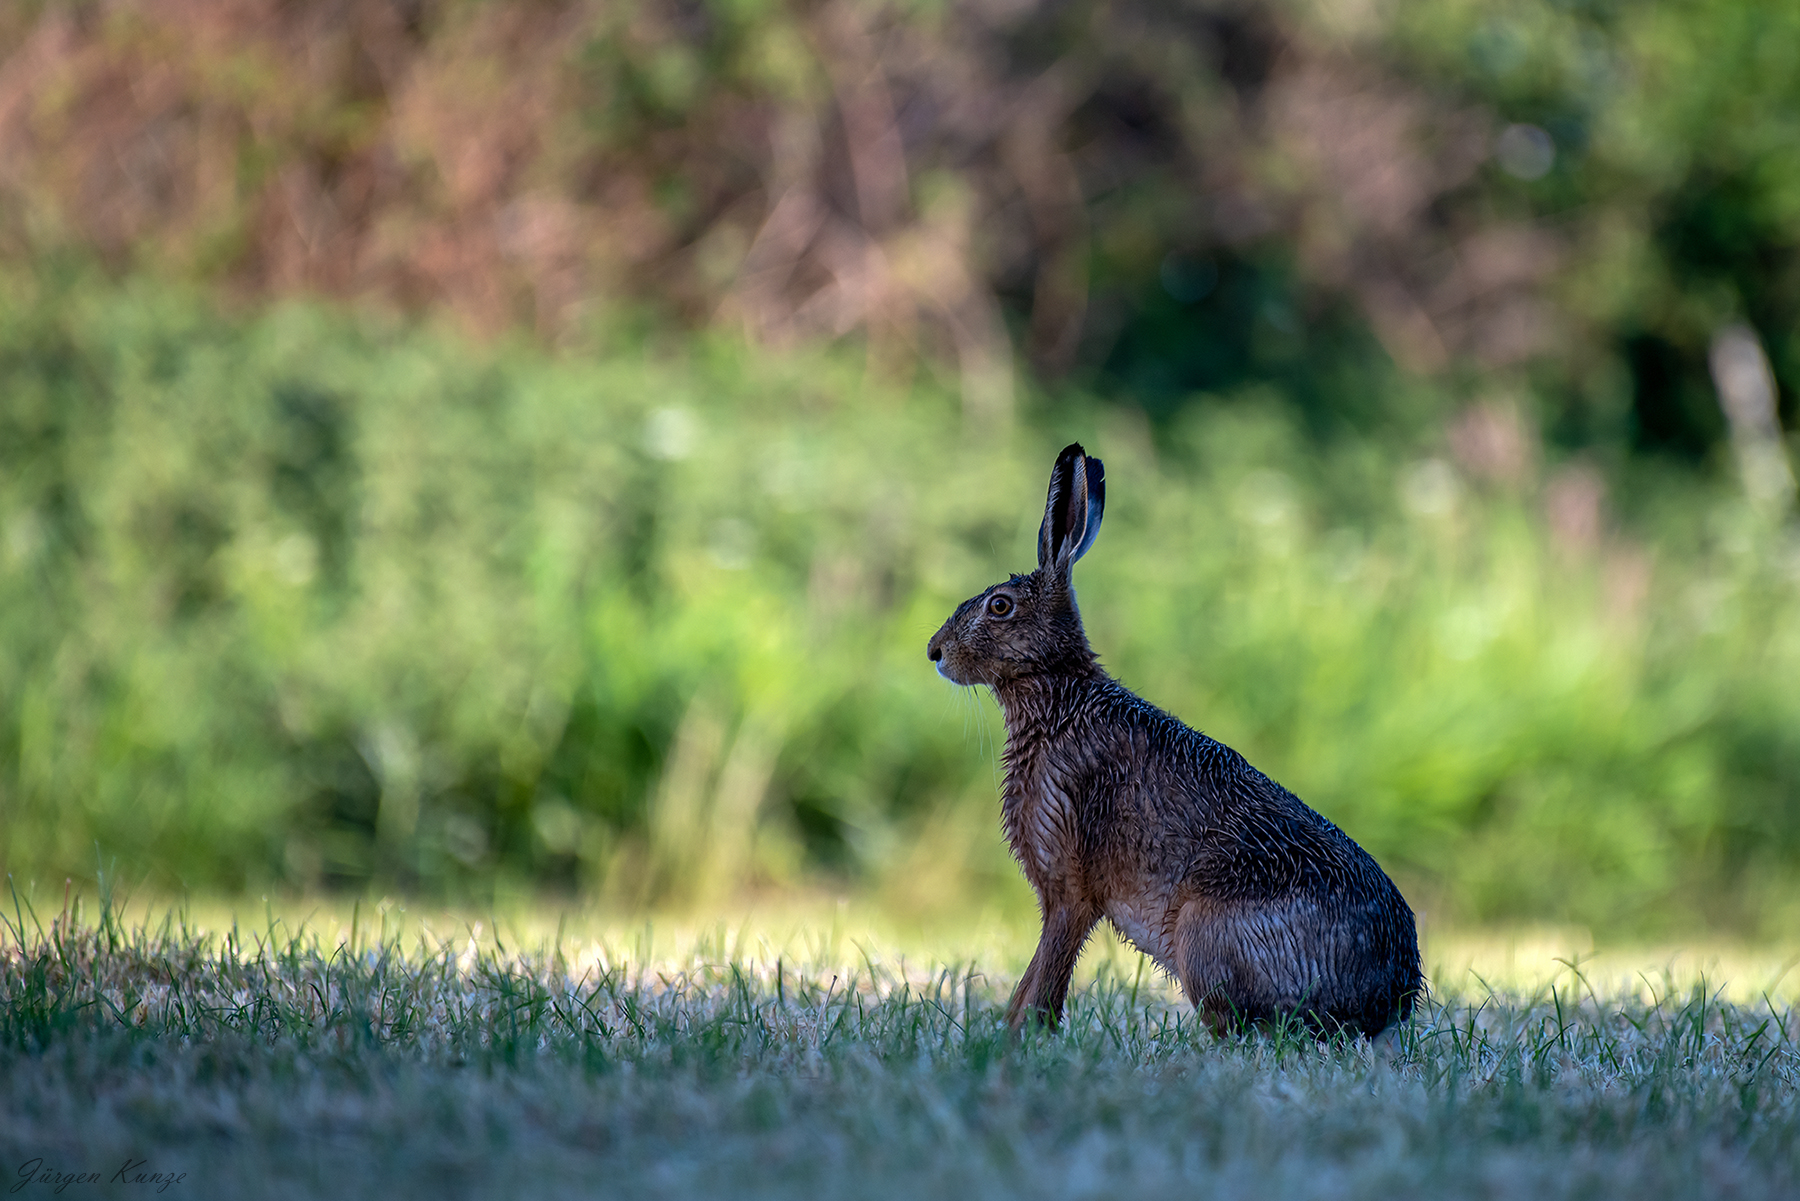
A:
(1072, 513)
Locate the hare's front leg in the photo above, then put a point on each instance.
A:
(1045, 985)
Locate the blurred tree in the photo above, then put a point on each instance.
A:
(1157, 200)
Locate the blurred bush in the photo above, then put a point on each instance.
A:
(302, 600)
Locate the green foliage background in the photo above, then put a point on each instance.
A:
(302, 601)
(480, 448)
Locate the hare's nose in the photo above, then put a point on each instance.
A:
(934, 652)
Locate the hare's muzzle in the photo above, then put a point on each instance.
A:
(934, 650)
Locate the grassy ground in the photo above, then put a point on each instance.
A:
(401, 1056)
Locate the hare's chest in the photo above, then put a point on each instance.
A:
(1039, 816)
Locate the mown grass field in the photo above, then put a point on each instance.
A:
(396, 1055)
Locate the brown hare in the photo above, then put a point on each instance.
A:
(1263, 910)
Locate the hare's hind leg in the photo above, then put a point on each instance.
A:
(1221, 967)
(1045, 985)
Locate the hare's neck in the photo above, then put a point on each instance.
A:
(1040, 709)
(1043, 715)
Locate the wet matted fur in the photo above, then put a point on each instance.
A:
(1261, 908)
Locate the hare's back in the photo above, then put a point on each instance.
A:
(1249, 836)
(1235, 833)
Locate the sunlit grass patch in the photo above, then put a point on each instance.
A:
(821, 929)
(413, 1060)
(1531, 959)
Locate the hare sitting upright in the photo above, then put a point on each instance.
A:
(1259, 907)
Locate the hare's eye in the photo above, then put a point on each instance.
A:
(999, 604)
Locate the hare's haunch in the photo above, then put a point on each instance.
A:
(1261, 908)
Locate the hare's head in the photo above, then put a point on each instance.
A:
(1028, 625)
